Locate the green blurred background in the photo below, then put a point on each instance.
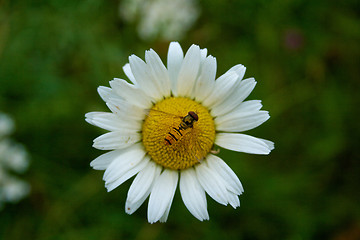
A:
(305, 56)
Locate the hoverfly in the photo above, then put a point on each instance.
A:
(176, 133)
(181, 128)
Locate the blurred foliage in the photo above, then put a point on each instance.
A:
(305, 56)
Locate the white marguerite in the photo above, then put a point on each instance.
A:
(13, 159)
(164, 125)
(160, 18)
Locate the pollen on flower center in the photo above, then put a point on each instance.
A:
(171, 145)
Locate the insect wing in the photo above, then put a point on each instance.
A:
(162, 115)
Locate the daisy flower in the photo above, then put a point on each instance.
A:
(163, 127)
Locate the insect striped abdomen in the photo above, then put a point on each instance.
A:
(173, 135)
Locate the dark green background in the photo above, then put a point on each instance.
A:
(54, 54)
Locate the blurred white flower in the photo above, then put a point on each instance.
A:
(6, 125)
(168, 20)
(13, 159)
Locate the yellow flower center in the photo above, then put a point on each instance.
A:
(175, 142)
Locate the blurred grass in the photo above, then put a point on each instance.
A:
(305, 56)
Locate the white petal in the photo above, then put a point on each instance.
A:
(144, 78)
(203, 53)
(242, 143)
(131, 207)
(206, 80)
(125, 110)
(116, 140)
(270, 144)
(141, 186)
(111, 121)
(107, 121)
(223, 85)
(245, 108)
(193, 194)
(127, 173)
(242, 89)
(212, 183)
(165, 216)
(104, 160)
(189, 71)
(162, 194)
(239, 69)
(250, 105)
(243, 123)
(233, 183)
(233, 200)
(159, 71)
(128, 73)
(106, 93)
(128, 158)
(130, 93)
(174, 60)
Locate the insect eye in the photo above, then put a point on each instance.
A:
(194, 115)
